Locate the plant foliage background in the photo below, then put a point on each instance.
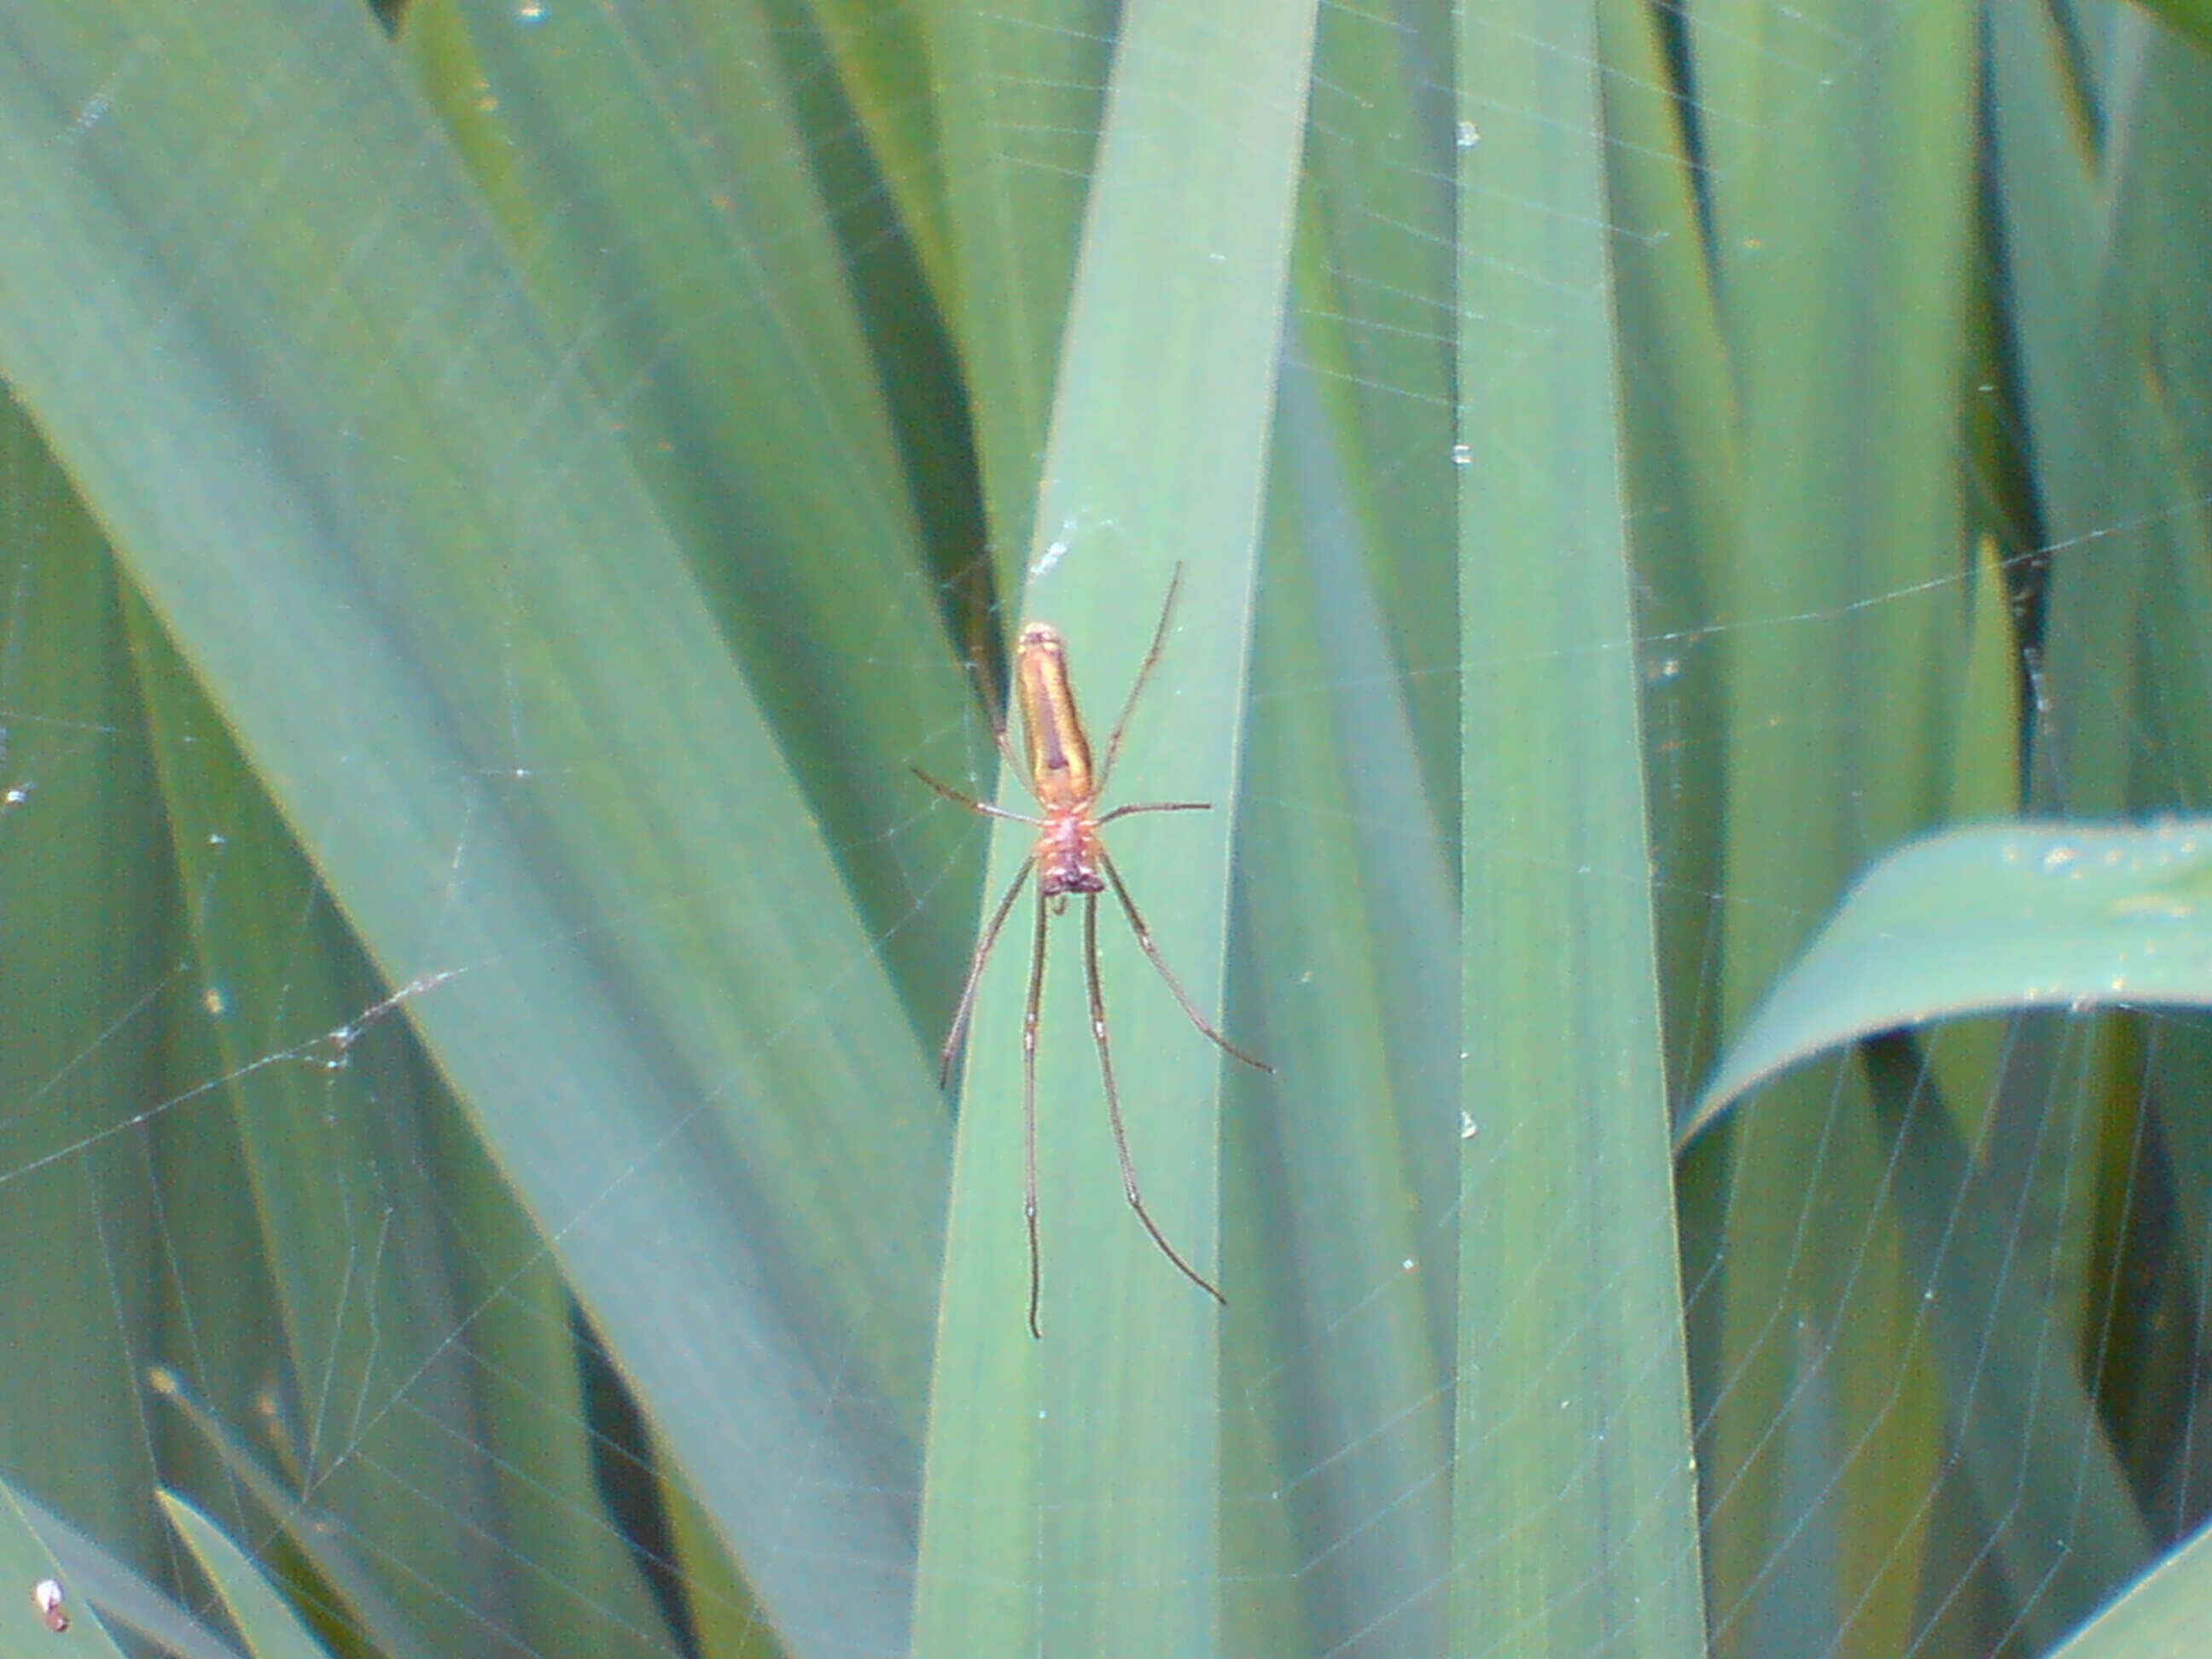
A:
(497, 498)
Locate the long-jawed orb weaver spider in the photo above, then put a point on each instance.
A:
(1069, 857)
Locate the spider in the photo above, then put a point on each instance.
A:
(1070, 857)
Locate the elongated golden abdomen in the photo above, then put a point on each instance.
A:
(1059, 753)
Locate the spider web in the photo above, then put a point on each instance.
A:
(267, 1260)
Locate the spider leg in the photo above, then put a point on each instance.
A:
(1143, 672)
(983, 807)
(967, 1002)
(1114, 1101)
(1029, 1102)
(996, 704)
(1152, 955)
(1153, 806)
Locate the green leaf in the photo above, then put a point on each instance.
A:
(2162, 1613)
(492, 512)
(396, 540)
(1572, 1394)
(92, 1577)
(1087, 1467)
(1845, 311)
(1983, 921)
(271, 1629)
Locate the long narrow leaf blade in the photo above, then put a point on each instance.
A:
(1087, 1467)
(399, 546)
(1574, 1526)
